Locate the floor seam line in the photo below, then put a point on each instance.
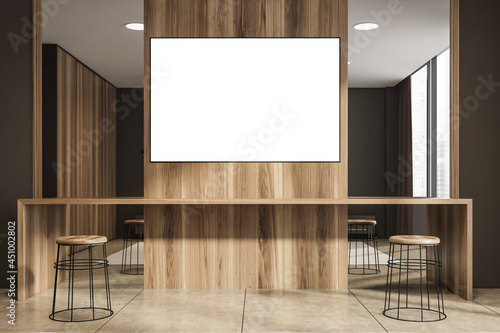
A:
(123, 307)
(371, 314)
(484, 306)
(243, 314)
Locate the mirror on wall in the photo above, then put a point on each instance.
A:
(89, 54)
(399, 111)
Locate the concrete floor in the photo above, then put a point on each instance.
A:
(358, 309)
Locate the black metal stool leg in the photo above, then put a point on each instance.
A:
(56, 264)
(91, 282)
(106, 277)
(72, 278)
(137, 243)
(349, 240)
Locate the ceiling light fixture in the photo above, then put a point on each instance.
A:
(135, 26)
(366, 26)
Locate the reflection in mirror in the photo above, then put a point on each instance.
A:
(399, 111)
(93, 71)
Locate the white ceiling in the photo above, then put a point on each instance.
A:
(92, 30)
(416, 33)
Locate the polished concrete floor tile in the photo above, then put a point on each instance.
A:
(139, 310)
(178, 310)
(33, 313)
(306, 311)
(462, 316)
(489, 298)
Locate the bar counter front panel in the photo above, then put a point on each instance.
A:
(241, 243)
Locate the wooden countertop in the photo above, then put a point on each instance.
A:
(308, 201)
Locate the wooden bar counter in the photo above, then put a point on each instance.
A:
(240, 243)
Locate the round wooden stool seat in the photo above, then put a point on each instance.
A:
(81, 240)
(361, 217)
(414, 240)
(135, 222)
(361, 222)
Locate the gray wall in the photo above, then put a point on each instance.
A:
(373, 119)
(129, 153)
(16, 117)
(480, 132)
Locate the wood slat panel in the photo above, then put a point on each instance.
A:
(86, 145)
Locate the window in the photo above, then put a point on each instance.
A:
(419, 131)
(431, 128)
(443, 126)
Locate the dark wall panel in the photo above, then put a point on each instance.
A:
(16, 93)
(373, 150)
(49, 120)
(479, 134)
(129, 152)
(367, 149)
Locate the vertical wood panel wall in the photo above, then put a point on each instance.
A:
(256, 18)
(86, 152)
(251, 246)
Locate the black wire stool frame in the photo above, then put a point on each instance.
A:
(420, 265)
(133, 232)
(73, 265)
(366, 234)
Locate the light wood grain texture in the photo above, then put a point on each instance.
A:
(251, 246)
(414, 240)
(260, 18)
(38, 227)
(245, 243)
(453, 225)
(454, 100)
(86, 144)
(219, 237)
(37, 98)
(81, 240)
(263, 201)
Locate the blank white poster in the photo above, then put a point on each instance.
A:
(245, 100)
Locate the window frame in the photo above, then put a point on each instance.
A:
(432, 124)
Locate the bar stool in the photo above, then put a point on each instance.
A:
(134, 232)
(417, 304)
(90, 264)
(362, 229)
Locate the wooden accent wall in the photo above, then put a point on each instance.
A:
(255, 246)
(245, 246)
(256, 18)
(86, 152)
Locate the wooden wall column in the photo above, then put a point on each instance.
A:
(269, 238)
(453, 225)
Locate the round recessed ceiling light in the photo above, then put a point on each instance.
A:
(366, 26)
(134, 26)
